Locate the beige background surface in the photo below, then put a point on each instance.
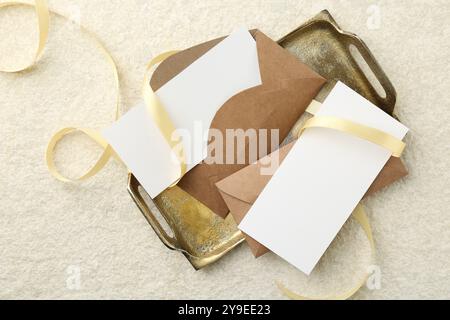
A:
(51, 232)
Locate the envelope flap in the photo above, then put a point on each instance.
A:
(248, 183)
(176, 63)
(277, 63)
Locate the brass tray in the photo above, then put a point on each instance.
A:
(186, 225)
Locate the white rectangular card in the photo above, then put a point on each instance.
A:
(192, 99)
(320, 182)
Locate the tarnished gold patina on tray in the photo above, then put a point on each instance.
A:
(323, 46)
(185, 224)
(191, 227)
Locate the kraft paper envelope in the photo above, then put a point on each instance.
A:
(191, 100)
(241, 189)
(288, 86)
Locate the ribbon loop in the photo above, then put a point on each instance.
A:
(43, 17)
(94, 135)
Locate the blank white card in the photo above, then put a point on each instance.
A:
(320, 182)
(192, 99)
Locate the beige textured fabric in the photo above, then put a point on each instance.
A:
(51, 233)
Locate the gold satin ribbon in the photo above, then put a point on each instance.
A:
(381, 138)
(43, 15)
(155, 109)
(160, 115)
(166, 126)
(99, 164)
(43, 18)
(91, 133)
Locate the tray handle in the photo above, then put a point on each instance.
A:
(134, 190)
(391, 95)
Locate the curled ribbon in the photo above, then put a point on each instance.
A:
(43, 17)
(155, 109)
